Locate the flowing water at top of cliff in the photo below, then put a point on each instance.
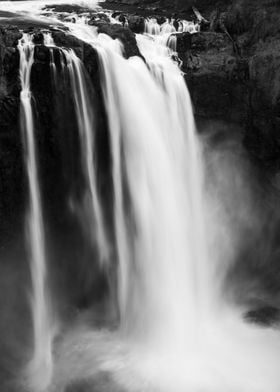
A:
(160, 229)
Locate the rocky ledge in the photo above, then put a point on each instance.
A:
(233, 73)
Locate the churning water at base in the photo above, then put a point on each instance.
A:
(176, 332)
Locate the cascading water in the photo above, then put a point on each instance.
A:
(166, 34)
(86, 130)
(71, 64)
(40, 367)
(48, 41)
(162, 34)
(174, 325)
(152, 27)
(176, 332)
(154, 234)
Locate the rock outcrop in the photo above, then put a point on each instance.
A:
(124, 34)
(216, 76)
(233, 73)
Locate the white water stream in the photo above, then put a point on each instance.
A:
(41, 364)
(176, 332)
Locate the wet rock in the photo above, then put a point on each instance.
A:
(233, 72)
(103, 16)
(214, 75)
(66, 40)
(11, 169)
(183, 43)
(38, 38)
(264, 73)
(265, 316)
(9, 83)
(210, 41)
(10, 36)
(136, 23)
(42, 53)
(98, 17)
(125, 35)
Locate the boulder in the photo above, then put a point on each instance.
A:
(125, 35)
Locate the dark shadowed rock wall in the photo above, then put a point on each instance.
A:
(11, 161)
(232, 71)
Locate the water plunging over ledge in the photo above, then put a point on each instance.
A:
(43, 328)
(176, 332)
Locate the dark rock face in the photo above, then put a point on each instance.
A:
(216, 76)
(136, 23)
(265, 316)
(168, 7)
(232, 72)
(181, 7)
(262, 137)
(125, 35)
(11, 165)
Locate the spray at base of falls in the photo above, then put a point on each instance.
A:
(40, 367)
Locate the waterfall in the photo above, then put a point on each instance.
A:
(188, 26)
(73, 66)
(166, 34)
(41, 363)
(176, 332)
(169, 40)
(152, 27)
(48, 41)
(86, 124)
(156, 162)
(167, 27)
(121, 229)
